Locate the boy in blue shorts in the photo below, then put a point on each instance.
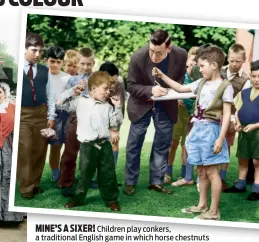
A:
(206, 145)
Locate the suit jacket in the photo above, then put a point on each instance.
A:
(140, 82)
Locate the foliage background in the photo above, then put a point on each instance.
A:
(116, 40)
(9, 66)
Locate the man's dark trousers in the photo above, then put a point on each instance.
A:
(160, 148)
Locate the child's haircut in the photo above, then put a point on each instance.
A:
(86, 52)
(33, 40)
(212, 54)
(109, 67)
(70, 56)
(254, 66)
(159, 37)
(193, 51)
(237, 48)
(55, 52)
(98, 78)
(202, 47)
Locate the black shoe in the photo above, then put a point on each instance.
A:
(67, 191)
(114, 206)
(234, 189)
(253, 196)
(129, 190)
(160, 188)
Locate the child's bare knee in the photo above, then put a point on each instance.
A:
(212, 172)
(201, 172)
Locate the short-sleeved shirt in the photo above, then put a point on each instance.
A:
(208, 93)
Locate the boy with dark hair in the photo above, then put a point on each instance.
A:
(93, 133)
(37, 110)
(118, 89)
(59, 79)
(247, 124)
(206, 144)
(85, 65)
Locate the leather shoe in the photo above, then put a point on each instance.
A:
(129, 190)
(234, 189)
(37, 190)
(114, 206)
(253, 196)
(160, 188)
(224, 185)
(28, 195)
(71, 204)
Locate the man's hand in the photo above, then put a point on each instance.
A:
(218, 146)
(116, 101)
(114, 134)
(1, 62)
(157, 72)
(51, 124)
(158, 91)
(250, 127)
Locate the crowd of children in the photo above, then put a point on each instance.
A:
(89, 112)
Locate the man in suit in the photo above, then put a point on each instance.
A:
(141, 86)
(37, 112)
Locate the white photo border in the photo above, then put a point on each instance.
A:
(12, 207)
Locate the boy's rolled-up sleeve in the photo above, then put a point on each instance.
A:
(65, 96)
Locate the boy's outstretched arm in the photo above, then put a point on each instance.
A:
(74, 91)
(171, 83)
(224, 127)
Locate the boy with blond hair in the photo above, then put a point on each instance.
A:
(85, 65)
(70, 62)
(206, 144)
(180, 130)
(93, 132)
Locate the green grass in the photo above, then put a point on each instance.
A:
(233, 207)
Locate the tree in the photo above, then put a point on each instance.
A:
(116, 40)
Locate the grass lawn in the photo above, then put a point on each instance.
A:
(233, 207)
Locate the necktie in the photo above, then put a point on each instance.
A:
(30, 76)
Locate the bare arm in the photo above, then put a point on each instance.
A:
(225, 120)
(224, 128)
(171, 83)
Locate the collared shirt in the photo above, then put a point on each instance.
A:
(231, 75)
(51, 97)
(94, 118)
